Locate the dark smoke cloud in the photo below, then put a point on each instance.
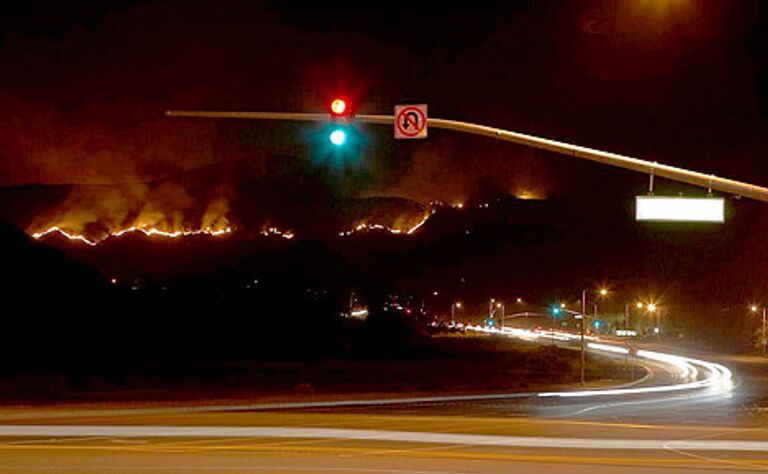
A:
(42, 145)
(83, 89)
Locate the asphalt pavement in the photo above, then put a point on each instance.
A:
(698, 428)
(337, 442)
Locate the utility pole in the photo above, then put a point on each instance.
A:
(764, 341)
(583, 347)
(491, 310)
(454, 306)
(626, 333)
(658, 326)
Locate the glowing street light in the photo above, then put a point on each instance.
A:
(653, 309)
(501, 307)
(603, 292)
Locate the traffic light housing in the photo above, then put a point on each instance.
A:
(340, 116)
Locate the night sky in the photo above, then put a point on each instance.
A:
(84, 85)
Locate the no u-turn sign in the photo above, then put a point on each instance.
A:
(411, 121)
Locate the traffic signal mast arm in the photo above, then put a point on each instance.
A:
(674, 173)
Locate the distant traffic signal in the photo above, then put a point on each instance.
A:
(555, 310)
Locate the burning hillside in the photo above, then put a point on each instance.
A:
(93, 214)
(190, 205)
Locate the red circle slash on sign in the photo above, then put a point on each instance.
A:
(411, 121)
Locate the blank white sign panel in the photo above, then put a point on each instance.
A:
(652, 208)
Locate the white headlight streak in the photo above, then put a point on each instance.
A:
(697, 374)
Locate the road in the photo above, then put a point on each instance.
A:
(372, 443)
(698, 429)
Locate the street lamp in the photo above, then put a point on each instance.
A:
(601, 292)
(491, 304)
(454, 307)
(626, 333)
(763, 339)
(653, 309)
(503, 309)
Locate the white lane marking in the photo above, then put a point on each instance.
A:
(588, 409)
(61, 440)
(378, 435)
(732, 462)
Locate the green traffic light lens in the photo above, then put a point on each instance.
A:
(338, 137)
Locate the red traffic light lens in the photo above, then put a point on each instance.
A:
(338, 106)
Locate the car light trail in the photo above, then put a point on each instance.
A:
(700, 374)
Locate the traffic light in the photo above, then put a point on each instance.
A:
(338, 137)
(338, 106)
(340, 115)
(555, 310)
(340, 109)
